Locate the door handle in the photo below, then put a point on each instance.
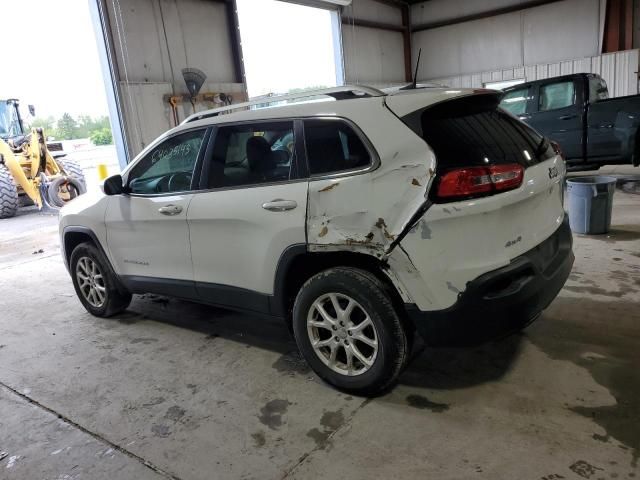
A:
(170, 209)
(567, 117)
(279, 205)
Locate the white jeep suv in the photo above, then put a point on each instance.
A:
(358, 220)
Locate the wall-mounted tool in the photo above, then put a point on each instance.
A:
(194, 78)
(214, 99)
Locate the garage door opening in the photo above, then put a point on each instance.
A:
(288, 48)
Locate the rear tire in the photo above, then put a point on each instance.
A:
(96, 283)
(8, 194)
(360, 346)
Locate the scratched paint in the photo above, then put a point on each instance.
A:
(369, 211)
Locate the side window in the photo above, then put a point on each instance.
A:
(597, 89)
(333, 146)
(169, 166)
(556, 95)
(252, 154)
(515, 101)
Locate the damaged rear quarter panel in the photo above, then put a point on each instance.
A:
(454, 243)
(365, 211)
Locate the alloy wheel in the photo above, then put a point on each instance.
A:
(91, 282)
(342, 334)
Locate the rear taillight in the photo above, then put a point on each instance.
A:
(479, 181)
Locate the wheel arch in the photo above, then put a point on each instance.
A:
(297, 265)
(72, 236)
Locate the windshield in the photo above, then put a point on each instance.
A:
(9, 121)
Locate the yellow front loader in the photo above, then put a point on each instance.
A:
(28, 171)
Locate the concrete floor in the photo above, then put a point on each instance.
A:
(176, 390)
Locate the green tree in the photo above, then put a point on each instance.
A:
(67, 128)
(48, 124)
(86, 125)
(102, 137)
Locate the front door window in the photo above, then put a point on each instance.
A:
(168, 168)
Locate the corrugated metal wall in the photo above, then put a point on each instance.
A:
(547, 33)
(152, 41)
(372, 56)
(618, 69)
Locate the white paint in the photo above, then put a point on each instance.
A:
(12, 460)
(259, 237)
(143, 241)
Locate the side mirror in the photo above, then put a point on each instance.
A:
(32, 110)
(113, 185)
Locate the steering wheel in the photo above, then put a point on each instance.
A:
(179, 182)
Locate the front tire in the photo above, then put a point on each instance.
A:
(8, 194)
(349, 331)
(95, 282)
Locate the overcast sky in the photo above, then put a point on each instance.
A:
(51, 52)
(285, 46)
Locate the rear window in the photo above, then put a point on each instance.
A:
(556, 95)
(474, 131)
(333, 146)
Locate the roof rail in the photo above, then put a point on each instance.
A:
(339, 93)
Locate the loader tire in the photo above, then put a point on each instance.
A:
(8, 194)
(73, 169)
(74, 185)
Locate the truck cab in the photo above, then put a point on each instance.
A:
(576, 112)
(11, 125)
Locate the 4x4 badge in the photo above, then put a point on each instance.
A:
(553, 172)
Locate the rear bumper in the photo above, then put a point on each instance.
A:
(504, 300)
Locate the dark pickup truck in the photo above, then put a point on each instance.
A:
(576, 112)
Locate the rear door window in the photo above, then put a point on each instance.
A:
(333, 146)
(252, 154)
(556, 95)
(515, 101)
(474, 131)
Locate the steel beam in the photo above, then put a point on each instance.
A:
(234, 38)
(481, 15)
(406, 41)
(371, 24)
